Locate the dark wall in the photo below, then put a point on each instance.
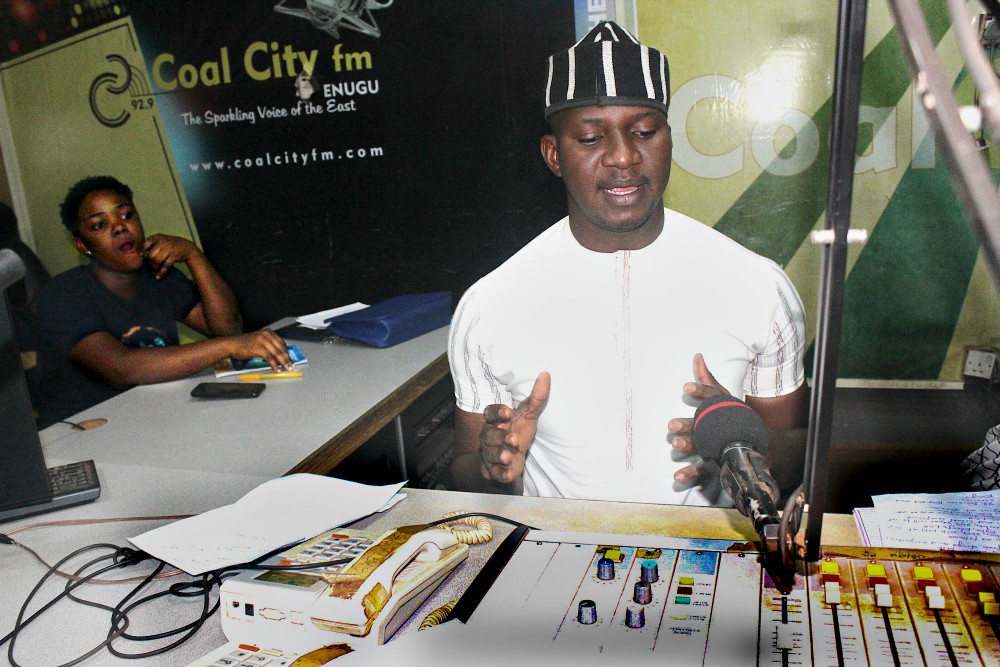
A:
(459, 114)
(904, 441)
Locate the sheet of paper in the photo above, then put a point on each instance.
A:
(275, 514)
(318, 320)
(949, 521)
(867, 523)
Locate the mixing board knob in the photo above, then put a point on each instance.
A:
(829, 571)
(988, 605)
(635, 617)
(876, 574)
(783, 637)
(605, 569)
(649, 572)
(883, 598)
(587, 612)
(934, 598)
(924, 576)
(973, 580)
(831, 592)
(643, 592)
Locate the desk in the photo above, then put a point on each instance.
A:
(163, 453)
(347, 393)
(134, 490)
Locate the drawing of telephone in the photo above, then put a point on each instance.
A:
(386, 577)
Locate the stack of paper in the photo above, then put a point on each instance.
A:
(938, 521)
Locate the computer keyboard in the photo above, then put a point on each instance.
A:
(71, 484)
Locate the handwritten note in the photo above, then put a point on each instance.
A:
(949, 521)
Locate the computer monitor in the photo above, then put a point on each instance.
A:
(23, 475)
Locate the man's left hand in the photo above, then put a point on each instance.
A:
(680, 429)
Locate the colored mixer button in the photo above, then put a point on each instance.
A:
(973, 580)
(988, 605)
(685, 581)
(605, 569)
(924, 576)
(643, 592)
(682, 599)
(876, 574)
(587, 612)
(830, 570)
(649, 571)
(685, 590)
(635, 617)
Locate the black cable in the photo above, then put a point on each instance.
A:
(21, 623)
(204, 586)
(486, 515)
(186, 631)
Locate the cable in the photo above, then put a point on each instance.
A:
(438, 616)
(6, 539)
(120, 557)
(480, 530)
(200, 588)
(90, 522)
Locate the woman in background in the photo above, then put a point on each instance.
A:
(111, 324)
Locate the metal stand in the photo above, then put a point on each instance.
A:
(840, 187)
(973, 181)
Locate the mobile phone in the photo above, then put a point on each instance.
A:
(228, 390)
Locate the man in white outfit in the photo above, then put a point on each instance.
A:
(570, 359)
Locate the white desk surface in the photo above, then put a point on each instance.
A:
(162, 426)
(71, 629)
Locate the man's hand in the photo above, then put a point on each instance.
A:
(681, 429)
(163, 251)
(509, 432)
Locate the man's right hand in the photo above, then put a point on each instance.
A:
(509, 432)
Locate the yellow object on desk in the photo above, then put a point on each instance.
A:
(257, 377)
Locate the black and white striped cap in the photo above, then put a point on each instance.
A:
(608, 66)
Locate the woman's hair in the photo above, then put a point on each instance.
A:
(69, 210)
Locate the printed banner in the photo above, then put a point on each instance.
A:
(325, 152)
(751, 112)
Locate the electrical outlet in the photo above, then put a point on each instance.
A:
(980, 363)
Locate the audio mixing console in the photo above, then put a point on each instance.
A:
(689, 602)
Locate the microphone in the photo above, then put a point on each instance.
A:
(728, 432)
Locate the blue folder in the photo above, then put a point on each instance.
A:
(394, 320)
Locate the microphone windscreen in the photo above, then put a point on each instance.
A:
(722, 420)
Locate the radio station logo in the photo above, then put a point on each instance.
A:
(116, 94)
